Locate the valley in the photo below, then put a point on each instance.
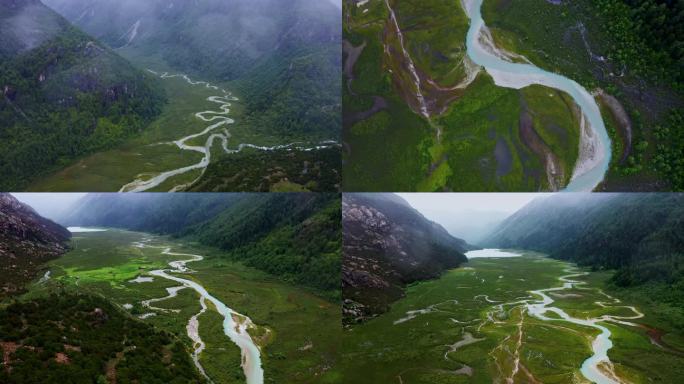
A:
(510, 317)
(184, 136)
(130, 97)
(242, 324)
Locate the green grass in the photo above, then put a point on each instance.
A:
(295, 317)
(381, 351)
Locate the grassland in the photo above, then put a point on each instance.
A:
(298, 330)
(390, 146)
(448, 341)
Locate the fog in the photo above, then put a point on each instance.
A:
(469, 216)
(50, 205)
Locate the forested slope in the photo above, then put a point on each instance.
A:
(64, 94)
(294, 236)
(86, 339)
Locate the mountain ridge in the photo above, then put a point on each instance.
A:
(387, 245)
(26, 241)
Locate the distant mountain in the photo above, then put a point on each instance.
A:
(388, 244)
(295, 236)
(161, 213)
(64, 94)
(26, 241)
(639, 235)
(284, 58)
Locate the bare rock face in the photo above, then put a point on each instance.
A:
(388, 244)
(26, 241)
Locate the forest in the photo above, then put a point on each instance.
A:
(274, 171)
(64, 98)
(85, 339)
(648, 36)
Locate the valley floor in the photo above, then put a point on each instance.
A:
(154, 151)
(482, 323)
(295, 330)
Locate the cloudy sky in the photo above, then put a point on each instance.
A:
(50, 205)
(469, 216)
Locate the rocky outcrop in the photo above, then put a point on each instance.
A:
(26, 241)
(388, 244)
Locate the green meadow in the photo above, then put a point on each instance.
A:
(297, 330)
(452, 330)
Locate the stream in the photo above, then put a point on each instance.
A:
(219, 119)
(235, 325)
(595, 145)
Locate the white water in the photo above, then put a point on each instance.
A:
(235, 330)
(84, 230)
(490, 253)
(219, 119)
(595, 145)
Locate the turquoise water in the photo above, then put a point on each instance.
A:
(589, 173)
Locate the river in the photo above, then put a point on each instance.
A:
(595, 145)
(235, 325)
(218, 130)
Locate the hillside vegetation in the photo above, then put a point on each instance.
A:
(64, 94)
(87, 340)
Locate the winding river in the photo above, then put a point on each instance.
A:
(595, 145)
(219, 119)
(235, 325)
(598, 368)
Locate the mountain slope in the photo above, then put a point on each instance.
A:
(640, 235)
(64, 94)
(388, 244)
(26, 241)
(293, 236)
(282, 58)
(87, 339)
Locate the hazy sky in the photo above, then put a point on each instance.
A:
(337, 2)
(49, 205)
(469, 216)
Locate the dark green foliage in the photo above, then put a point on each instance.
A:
(669, 158)
(276, 171)
(64, 98)
(93, 335)
(648, 36)
(295, 94)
